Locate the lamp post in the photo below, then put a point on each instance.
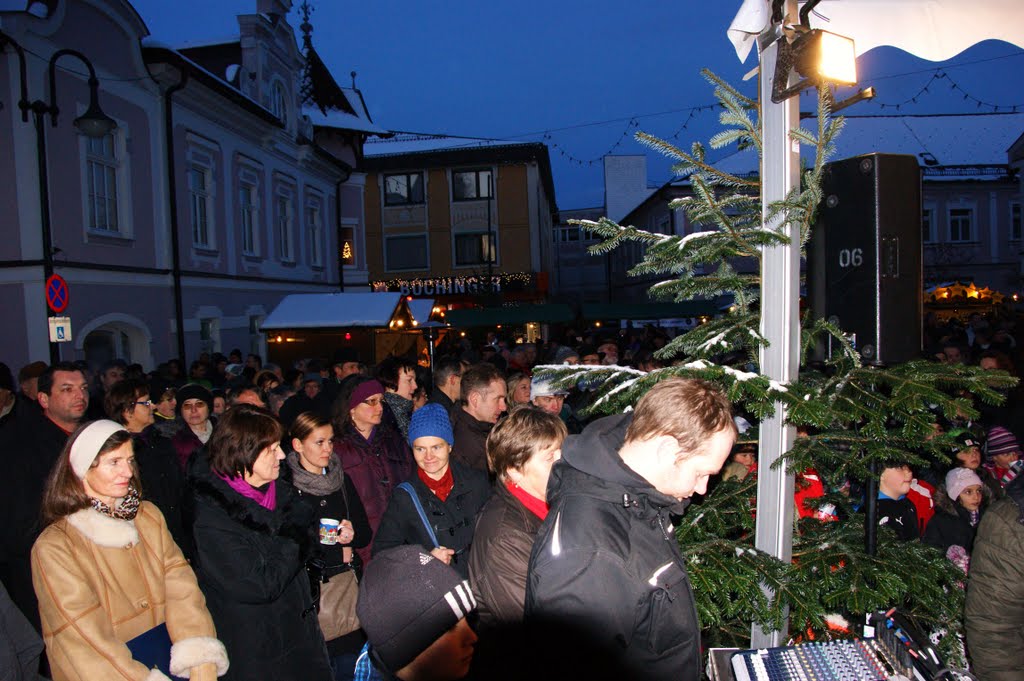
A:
(93, 123)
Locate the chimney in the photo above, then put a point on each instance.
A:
(625, 184)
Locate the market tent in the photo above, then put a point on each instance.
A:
(689, 308)
(522, 314)
(421, 308)
(333, 310)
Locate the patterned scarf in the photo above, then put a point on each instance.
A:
(125, 510)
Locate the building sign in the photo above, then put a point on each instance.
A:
(464, 285)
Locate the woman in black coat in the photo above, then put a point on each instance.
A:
(451, 495)
(316, 473)
(253, 538)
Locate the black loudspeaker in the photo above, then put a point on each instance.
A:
(864, 260)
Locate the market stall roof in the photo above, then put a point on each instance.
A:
(421, 309)
(689, 308)
(523, 314)
(332, 310)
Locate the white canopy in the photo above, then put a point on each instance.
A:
(930, 29)
(332, 310)
(420, 308)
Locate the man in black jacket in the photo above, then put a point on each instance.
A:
(606, 565)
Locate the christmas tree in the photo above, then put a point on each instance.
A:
(856, 417)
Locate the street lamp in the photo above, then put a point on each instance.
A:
(93, 123)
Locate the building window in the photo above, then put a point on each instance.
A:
(101, 168)
(469, 185)
(1016, 225)
(567, 234)
(249, 218)
(256, 338)
(279, 102)
(928, 226)
(347, 247)
(284, 216)
(314, 225)
(475, 249)
(406, 252)
(404, 189)
(200, 196)
(209, 335)
(961, 224)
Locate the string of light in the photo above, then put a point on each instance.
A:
(939, 76)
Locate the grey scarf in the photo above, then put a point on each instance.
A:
(319, 485)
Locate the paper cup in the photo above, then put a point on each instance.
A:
(329, 530)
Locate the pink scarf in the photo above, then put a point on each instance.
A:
(267, 500)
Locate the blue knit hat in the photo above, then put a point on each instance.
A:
(430, 420)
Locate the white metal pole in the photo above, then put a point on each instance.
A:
(780, 303)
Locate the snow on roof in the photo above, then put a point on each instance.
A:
(421, 309)
(343, 120)
(328, 310)
(953, 140)
(207, 42)
(412, 143)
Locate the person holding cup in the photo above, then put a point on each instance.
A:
(316, 473)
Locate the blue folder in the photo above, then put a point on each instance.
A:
(153, 649)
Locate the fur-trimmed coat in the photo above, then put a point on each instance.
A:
(251, 565)
(101, 582)
(951, 524)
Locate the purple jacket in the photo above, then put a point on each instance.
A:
(376, 468)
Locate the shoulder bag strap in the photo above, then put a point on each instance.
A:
(419, 509)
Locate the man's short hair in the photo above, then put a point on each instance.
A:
(390, 370)
(122, 397)
(45, 384)
(690, 410)
(519, 436)
(445, 368)
(477, 377)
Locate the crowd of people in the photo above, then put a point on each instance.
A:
(333, 520)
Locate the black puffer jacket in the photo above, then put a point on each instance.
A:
(951, 524)
(606, 566)
(251, 566)
(994, 615)
(453, 519)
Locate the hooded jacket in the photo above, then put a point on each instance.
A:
(251, 565)
(606, 563)
(994, 615)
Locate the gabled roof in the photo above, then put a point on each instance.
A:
(333, 310)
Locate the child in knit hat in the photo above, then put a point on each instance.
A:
(413, 609)
(960, 503)
(1003, 454)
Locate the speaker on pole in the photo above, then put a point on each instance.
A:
(864, 260)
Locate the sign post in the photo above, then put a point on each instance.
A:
(57, 298)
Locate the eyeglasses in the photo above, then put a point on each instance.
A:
(373, 401)
(145, 403)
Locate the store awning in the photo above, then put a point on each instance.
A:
(334, 310)
(689, 308)
(551, 313)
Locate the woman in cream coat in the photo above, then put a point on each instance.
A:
(106, 570)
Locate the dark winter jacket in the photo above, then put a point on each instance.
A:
(163, 483)
(994, 616)
(20, 645)
(186, 443)
(500, 556)
(951, 524)
(606, 566)
(376, 467)
(31, 446)
(470, 447)
(453, 519)
(340, 506)
(900, 516)
(250, 562)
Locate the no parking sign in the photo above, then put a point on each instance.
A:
(57, 294)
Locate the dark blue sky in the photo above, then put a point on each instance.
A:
(515, 70)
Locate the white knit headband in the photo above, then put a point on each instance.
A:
(87, 444)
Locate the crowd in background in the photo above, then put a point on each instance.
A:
(238, 462)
